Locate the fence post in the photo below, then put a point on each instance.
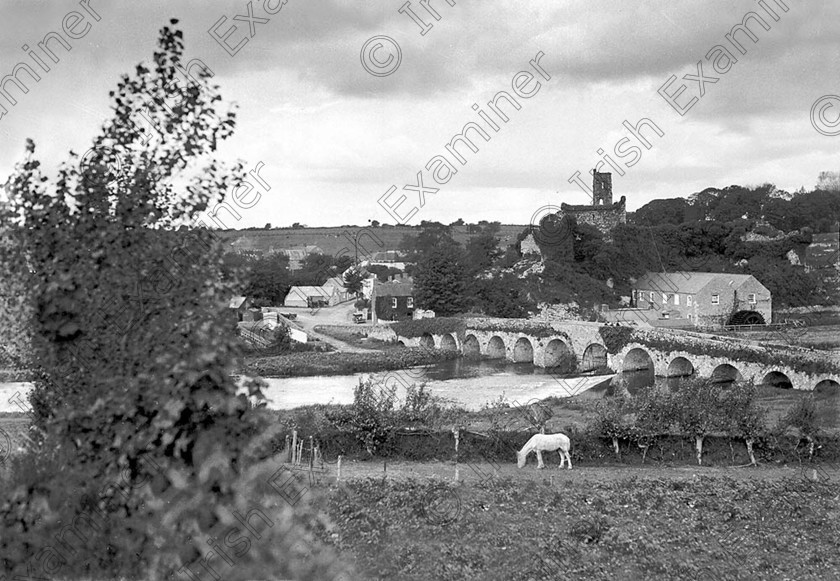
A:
(338, 470)
(294, 447)
(288, 450)
(456, 433)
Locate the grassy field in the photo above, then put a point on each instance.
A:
(589, 523)
(307, 364)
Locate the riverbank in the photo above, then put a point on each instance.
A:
(308, 364)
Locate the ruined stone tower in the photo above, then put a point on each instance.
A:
(603, 214)
(601, 189)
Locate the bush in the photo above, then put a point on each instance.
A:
(371, 417)
(139, 426)
(615, 338)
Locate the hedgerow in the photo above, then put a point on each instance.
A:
(433, 326)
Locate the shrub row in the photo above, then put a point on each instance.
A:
(588, 448)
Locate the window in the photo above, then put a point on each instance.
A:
(664, 298)
(676, 299)
(651, 296)
(752, 298)
(394, 303)
(715, 299)
(688, 301)
(410, 304)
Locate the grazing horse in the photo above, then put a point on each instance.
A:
(540, 443)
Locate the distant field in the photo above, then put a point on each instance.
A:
(334, 240)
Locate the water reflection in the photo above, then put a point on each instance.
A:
(636, 381)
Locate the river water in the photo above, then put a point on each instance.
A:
(468, 384)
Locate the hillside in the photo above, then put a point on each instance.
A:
(334, 240)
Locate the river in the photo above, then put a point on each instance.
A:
(468, 384)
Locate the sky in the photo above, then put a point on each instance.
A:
(335, 138)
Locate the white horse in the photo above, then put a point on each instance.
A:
(540, 443)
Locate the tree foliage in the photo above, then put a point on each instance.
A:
(440, 282)
(136, 412)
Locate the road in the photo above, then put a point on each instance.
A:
(338, 315)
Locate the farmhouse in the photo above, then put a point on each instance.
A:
(703, 299)
(393, 300)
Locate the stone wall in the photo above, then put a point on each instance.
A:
(604, 218)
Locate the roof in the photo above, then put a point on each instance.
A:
(397, 288)
(335, 282)
(236, 302)
(310, 291)
(686, 282)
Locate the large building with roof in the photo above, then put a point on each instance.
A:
(393, 300)
(705, 299)
(311, 297)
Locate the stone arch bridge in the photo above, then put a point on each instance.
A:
(665, 353)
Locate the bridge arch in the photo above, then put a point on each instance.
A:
(725, 373)
(777, 379)
(448, 342)
(523, 351)
(680, 367)
(557, 354)
(637, 359)
(496, 348)
(594, 357)
(472, 349)
(827, 388)
(427, 341)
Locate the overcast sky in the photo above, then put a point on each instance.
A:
(334, 137)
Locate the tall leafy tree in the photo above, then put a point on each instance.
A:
(440, 282)
(126, 323)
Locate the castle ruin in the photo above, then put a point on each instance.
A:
(603, 214)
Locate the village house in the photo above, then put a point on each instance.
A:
(702, 299)
(239, 307)
(393, 300)
(341, 291)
